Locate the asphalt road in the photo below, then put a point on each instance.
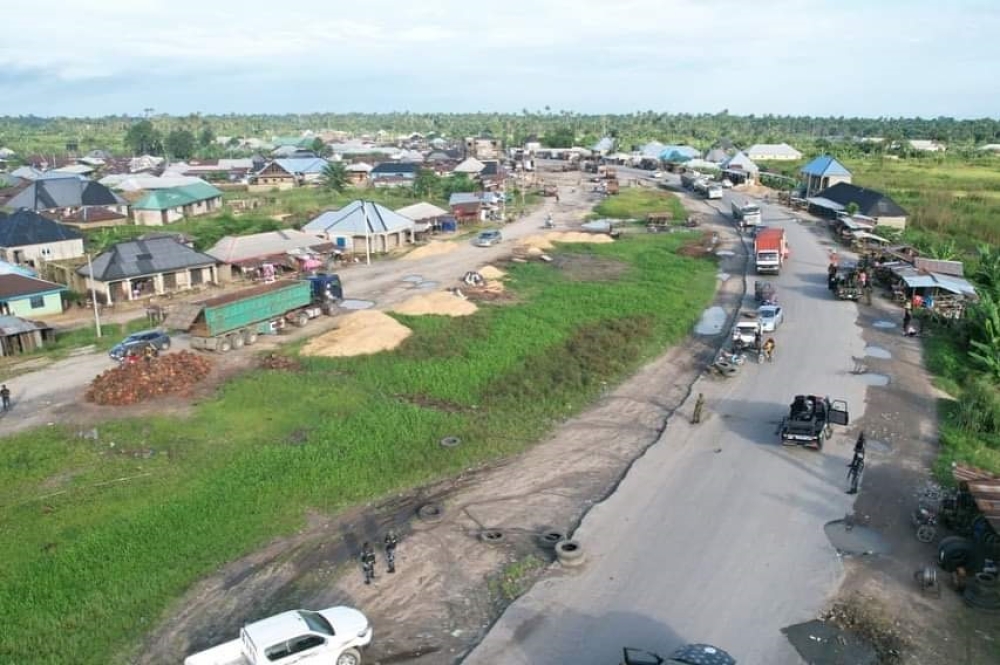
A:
(716, 534)
(46, 396)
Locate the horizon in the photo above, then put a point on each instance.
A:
(915, 59)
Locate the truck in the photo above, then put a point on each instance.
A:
(746, 214)
(233, 320)
(769, 250)
(714, 191)
(810, 419)
(334, 636)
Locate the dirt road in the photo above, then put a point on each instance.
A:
(54, 394)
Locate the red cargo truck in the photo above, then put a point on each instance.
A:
(769, 250)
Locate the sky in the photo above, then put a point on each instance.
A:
(786, 57)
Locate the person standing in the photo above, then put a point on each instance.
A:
(390, 550)
(907, 317)
(699, 405)
(5, 397)
(368, 562)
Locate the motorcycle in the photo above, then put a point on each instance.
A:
(549, 224)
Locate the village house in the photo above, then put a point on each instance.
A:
(288, 173)
(19, 336)
(872, 204)
(925, 145)
(363, 226)
(393, 174)
(29, 238)
(740, 169)
(822, 173)
(86, 219)
(29, 297)
(165, 206)
(288, 250)
(773, 152)
(65, 195)
(483, 147)
(140, 268)
(218, 170)
(358, 173)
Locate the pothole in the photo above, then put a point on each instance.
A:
(357, 304)
(429, 284)
(712, 321)
(873, 351)
(415, 279)
(874, 379)
(882, 323)
(850, 539)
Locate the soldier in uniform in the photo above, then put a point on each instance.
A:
(390, 550)
(698, 406)
(368, 562)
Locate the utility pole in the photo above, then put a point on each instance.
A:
(368, 240)
(93, 295)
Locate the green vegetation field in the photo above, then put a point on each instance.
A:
(87, 566)
(637, 202)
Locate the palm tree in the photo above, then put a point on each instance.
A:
(335, 176)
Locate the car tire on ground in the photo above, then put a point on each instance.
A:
(430, 512)
(549, 537)
(569, 553)
(349, 657)
(955, 554)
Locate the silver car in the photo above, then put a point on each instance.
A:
(489, 238)
(770, 317)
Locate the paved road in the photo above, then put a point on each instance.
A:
(716, 534)
(43, 396)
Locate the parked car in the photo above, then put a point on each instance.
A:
(770, 317)
(335, 636)
(138, 341)
(656, 174)
(489, 238)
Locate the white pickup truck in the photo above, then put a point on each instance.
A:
(333, 636)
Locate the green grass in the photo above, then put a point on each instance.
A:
(970, 419)
(515, 579)
(637, 202)
(87, 568)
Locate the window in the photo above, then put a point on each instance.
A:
(37, 302)
(293, 646)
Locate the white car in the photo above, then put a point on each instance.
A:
(770, 317)
(335, 635)
(656, 174)
(489, 238)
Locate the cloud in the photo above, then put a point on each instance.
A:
(783, 56)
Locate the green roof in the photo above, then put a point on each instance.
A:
(175, 197)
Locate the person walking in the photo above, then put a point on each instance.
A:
(390, 550)
(907, 317)
(699, 405)
(368, 562)
(5, 397)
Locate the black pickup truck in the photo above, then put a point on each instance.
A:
(810, 419)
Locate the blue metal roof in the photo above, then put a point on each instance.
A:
(825, 165)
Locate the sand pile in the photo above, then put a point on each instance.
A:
(360, 333)
(439, 302)
(546, 241)
(433, 248)
(490, 272)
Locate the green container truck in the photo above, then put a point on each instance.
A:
(234, 320)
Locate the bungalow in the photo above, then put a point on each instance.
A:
(29, 297)
(27, 238)
(428, 217)
(483, 147)
(217, 170)
(493, 174)
(85, 219)
(363, 226)
(19, 335)
(470, 167)
(925, 145)
(678, 153)
(740, 169)
(165, 206)
(872, 204)
(288, 173)
(393, 174)
(358, 173)
(66, 194)
(246, 255)
(773, 152)
(137, 268)
(469, 206)
(821, 173)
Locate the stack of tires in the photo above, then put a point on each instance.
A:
(982, 591)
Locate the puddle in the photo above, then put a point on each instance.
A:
(874, 379)
(725, 252)
(723, 276)
(876, 446)
(821, 643)
(855, 540)
(413, 278)
(357, 304)
(427, 285)
(712, 321)
(873, 351)
(882, 323)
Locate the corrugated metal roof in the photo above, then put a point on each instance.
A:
(953, 268)
(175, 197)
(985, 489)
(139, 258)
(825, 165)
(359, 218)
(232, 249)
(920, 279)
(14, 325)
(767, 150)
(824, 203)
(422, 210)
(310, 165)
(740, 162)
